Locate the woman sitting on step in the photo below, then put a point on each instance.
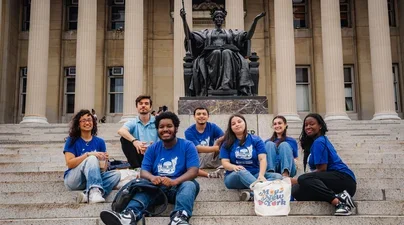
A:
(330, 180)
(244, 157)
(281, 150)
(84, 154)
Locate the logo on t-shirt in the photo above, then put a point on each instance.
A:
(244, 153)
(204, 142)
(167, 167)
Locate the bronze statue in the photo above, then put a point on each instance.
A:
(220, 56)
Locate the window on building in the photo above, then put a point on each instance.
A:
(23, 89)
(300, 14)
(70, 87)
(396, 88)
(303, 88)
(345, 12)
(117, 14)
(349, 87)
(115, 89)
(26, 13)
(392, 13)
(72, 14)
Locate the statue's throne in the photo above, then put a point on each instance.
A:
(253, 66)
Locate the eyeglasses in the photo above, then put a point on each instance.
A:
(90, 120)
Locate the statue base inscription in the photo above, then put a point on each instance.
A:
(224, 104)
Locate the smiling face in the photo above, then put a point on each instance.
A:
(86, 123)
(201, 116)
(312, 127)
(166, 130)
(279, 126)
(237, 125)
(143, 106)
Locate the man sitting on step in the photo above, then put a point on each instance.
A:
(139, 133)
(171, 163)
(207, 138)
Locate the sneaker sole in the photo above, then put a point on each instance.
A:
(244, 197)
(80, 198)
(335, 214)
(110, 218)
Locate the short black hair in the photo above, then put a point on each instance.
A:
(201, 108)
(167, 115)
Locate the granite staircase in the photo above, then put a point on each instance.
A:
(32, 190)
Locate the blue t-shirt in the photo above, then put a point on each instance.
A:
(173, 162)
(245, 155)
(292, 142)
(207, 138)
(142, 132)
(81, 147)
(323, 152)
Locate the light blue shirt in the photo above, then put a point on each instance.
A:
(147, 132)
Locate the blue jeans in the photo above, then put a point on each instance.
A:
(280, 158)
(243, 179)
(87, 175)
(182, 196)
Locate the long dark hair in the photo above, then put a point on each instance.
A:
(274, 135)
(305, 141)
(230, 136)
(74, 130)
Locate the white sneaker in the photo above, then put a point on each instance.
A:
(81, 198)
(96, 196)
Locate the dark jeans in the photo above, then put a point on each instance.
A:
(182, 196)
(322, 186)
(135, 159)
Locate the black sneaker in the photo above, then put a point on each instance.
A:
(110, 217)
(346, 198)
(342, 209)
(180, 217)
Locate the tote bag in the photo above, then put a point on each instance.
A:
(272, 198)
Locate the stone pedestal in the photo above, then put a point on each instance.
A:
(224, 104)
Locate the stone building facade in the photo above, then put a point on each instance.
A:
(341, 58)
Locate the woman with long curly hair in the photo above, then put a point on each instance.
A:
(281, 149)
(330, 180)
(83, 153)
(244, 157)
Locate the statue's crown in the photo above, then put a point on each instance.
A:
(217, 11)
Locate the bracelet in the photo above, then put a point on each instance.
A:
(134, 140)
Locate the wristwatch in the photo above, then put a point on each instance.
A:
(134, 140)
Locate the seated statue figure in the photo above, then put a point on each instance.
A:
(220, 56)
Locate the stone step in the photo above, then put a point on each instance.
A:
(212, 195)
(41, 211)
(205, 184)
(228, 220)
(58, 175)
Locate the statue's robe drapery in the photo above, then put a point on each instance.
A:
(220, 62)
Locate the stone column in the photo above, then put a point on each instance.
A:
(86, 53)
(38, 48)
(179, 50)
(333, 61)
(381, 62)
(133, 57)
(235, 14)
(285, 60)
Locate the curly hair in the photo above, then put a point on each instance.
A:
(167, 115)
(305, 141)
(74, 130)
(230, 136)
(274, 135)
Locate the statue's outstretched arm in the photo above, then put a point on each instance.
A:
(185, 24)
(250, 32)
